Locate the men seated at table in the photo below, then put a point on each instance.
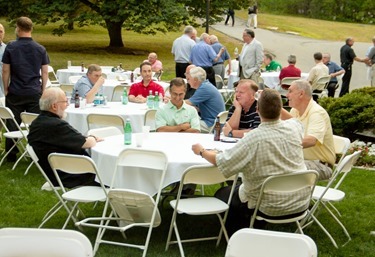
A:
(139, 91)
(206, 98)
(318, 71)
(90, 84)
(242, 115)
(176, 115)
(318, 147)
(270, 64)
(291, 70)
(156, 65)
(274, 148)
(49, 133)
(334, 70)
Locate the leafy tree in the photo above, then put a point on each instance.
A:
(142, 16)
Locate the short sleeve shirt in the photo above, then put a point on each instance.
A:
(248, 120)
(139, 89)
(84, 85)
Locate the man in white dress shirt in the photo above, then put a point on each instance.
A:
(251, 56)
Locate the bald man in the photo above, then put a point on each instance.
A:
(156, 65)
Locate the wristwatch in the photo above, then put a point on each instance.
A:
(230, 134)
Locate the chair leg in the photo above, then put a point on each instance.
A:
(28, 168)
(325, 230)
(339, 222)
(19, 159)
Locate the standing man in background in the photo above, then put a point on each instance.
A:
(347, 57)
(25, 75)
(253, 12)
(181, 50)
(2, 49)
(251, 56)
(218, 66)
(230, 13)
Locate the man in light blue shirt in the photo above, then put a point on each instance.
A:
(90, 84)
(176, 115)
(206, 98)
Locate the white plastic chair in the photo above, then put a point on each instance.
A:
(16, 136)
(67, 88)
(43, 242)
(207, 205)
(118, 91)
(287, 185)
(104, 132)
(342, 145)
(222, 117)
(74, 79)
(287, 81)
(325, 195)
(219, 81)
(48, 186)
(131, 207)
(52, 75)
(253, 242)
(150, 119)
(95, 120)
(77, 164)
(321, 85)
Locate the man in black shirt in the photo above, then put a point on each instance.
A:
(347, 57)
(49, 133)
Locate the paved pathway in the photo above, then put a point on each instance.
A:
(282, 45)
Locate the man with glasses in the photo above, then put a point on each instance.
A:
(90, 84)
(49, 133)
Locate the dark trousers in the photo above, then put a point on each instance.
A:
(18, 104)
(331, 87)
(210, 73)
(230, 14)
(180, 69)
(346, 79)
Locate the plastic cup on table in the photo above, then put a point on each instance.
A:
(139, 139)
(146, 131)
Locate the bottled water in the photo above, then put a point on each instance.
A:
(150, 100)
(156, 100)
(125, 99)
(128, 133)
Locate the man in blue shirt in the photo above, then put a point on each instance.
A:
(334, 70)
(218, 66)
(90, 84)
(206, 98)
(203, 55)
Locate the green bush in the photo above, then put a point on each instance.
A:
(351, 113)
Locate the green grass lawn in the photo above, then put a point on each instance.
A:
(23, 204)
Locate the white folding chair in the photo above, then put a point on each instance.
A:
(253, 242)
(219, 81)
(95, 120)
(225, 92)
(67, 88)
(48, 186)
(207, 205)
(43, 242)
(321, 85)
(52, 75)
(325, 195)
(287, 81)
(77, 164)
(104, 132)
(131, 207)
(118, 91)
(74, 79)
(222, 117)
(341, 145)
(16, 136)
(287, 187)
(150, 119)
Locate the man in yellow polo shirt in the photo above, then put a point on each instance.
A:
(318, 147)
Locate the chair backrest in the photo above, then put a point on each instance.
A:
(253, 242)
(52, 75)
(44, 242)
(74, 79)
(345, 166)
(67, 88)
(95, 120)
(118, 91)
(137, 72)
(222, 117)
(204, 175)
(284, 186)
(27, 118)
(219, 81)
(150, 119)
(104, 132)
(288, 80)
(7, 114)
(341, 145)
(322, 82)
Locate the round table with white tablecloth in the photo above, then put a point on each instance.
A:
(177, 147)
(134, 111)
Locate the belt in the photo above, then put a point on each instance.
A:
(217, 63)
(327, 164)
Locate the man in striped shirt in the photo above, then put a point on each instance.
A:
(242, 115)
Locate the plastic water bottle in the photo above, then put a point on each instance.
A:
(156, 100)
(96, 100)
(217, 129)
(125, 99)
(150, 100)
(128, 133)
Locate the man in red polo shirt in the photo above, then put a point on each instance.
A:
(139, 91)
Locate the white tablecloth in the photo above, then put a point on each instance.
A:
(271, 79)
(134, 111)
(177, 147)
(64, 74)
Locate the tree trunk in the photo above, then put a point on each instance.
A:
(114, 32)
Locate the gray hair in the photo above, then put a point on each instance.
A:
(303, 85)
(292, 59)
(204, 36)
(188, 29)
(49, 97)
(198, 73)
(213, 39)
